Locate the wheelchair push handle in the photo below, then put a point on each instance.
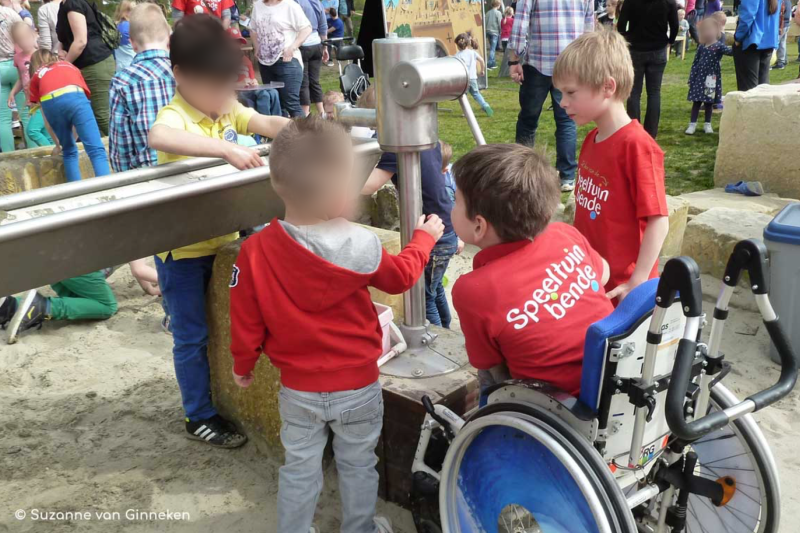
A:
(748, 255)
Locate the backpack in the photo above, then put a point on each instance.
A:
(108, 30)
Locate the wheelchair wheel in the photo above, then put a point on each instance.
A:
(740, 453)
(516, 468)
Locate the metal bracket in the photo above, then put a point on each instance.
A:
(621, 351)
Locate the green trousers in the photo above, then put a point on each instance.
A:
(86, 297)
(37, 132)
(98, 79)
(8, 77)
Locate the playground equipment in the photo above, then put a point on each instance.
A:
(654, 443)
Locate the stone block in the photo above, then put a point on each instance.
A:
(757, 139)
(386, 208)
(678, 216)
(26, 170)
(711, 236)
(701, 201)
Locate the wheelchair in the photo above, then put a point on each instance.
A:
(352, 79)
(654, 442)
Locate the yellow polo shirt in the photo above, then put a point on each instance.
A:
(179, 114)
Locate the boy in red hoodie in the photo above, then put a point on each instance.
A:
(299, 293)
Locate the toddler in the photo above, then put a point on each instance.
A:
(505, 27)
(124, 53)
(467, 54)
(299, 293)
(705, 78)
(34, 130)
(683, 30)
(64, 96)
(447, 169)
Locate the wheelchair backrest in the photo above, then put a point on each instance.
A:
(615, 348)
(353, 82)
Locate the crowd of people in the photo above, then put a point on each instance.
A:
(299, 288)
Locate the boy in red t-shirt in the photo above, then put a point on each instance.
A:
(218, 8)
(620, 202)
(300, 294)
(535, 288)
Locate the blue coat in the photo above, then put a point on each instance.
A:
(756, 26)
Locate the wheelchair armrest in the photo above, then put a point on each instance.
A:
(547, 396)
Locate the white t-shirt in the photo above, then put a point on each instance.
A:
(276, 27)
(468, 58)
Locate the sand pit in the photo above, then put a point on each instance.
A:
(90, 421)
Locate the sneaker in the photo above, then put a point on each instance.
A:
(8, 306)
(329, 64)
(691, 129)
(779, 66)
(384, 526)
(567, 186)
(489, 111)
(215, 431)
(708, 128)
(36, 314)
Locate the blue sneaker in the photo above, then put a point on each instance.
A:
(747, 188)
(567, 186)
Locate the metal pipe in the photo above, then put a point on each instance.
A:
(427, 81)
(410, 189)
(354, 116)
(471, 120)
(121, 179)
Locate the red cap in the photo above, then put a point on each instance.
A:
(236, 34)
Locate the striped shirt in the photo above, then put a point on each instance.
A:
(543, 28)
(137, 94)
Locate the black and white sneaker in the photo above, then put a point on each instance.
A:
(8, 306)
(215, 431)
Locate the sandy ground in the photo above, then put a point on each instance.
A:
(90, 421)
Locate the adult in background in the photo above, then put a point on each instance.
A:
(8, 75)
(542, 29)
(786, 22)
(46, 19)
(217, 8)
(650, 26)
(492, 22)
(313, 54)
(279, 27)
(755, 38)
(691, 18)
(81, 38)
(346, 8)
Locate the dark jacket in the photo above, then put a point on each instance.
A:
(645, 23)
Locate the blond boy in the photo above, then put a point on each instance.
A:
(620, 198)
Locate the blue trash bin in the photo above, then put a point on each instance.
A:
(782, 237)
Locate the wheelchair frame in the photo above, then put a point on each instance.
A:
(658, 484)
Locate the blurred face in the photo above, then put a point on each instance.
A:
(582, 103)
(343, 197)
(709, 32)
(681, 15)
(25, 38)
(211, 96)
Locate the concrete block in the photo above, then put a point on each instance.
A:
(25, 170)
(701, 201)
(757, 139)
(678, 216)
(386, 208)
(711, 236)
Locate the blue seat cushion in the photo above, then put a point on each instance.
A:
(638, 304)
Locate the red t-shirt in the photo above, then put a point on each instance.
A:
(528, 304)
(620, 183)
(246, 71)
(196, 7)
(56, 76)
(505, 27)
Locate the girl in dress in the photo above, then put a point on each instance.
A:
(705, 78)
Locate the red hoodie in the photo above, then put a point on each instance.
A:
(314, 319)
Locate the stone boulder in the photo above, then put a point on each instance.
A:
(386, 208)
(678, 215)
(757, 140)
(711, 236)
(702, 201)
(25, 170)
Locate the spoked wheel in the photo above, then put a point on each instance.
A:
(517, 469)
(738, 457)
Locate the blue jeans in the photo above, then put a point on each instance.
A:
(475, 92)
(291, 74)
(265, 101)
(782, 59)
(356, 418)
(491, 45)
(184, 284)
(74, 110)
(436, 307)
(532, 95)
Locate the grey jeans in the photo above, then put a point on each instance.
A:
(356, 419)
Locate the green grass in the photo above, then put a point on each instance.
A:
(689, 160)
